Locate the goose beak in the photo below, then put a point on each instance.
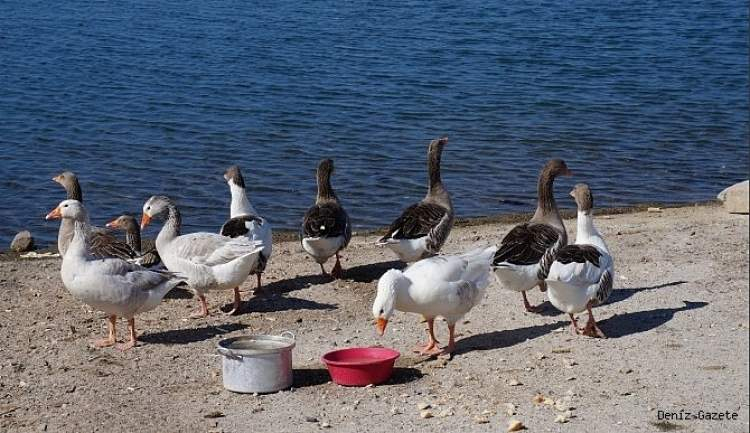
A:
(380, 326)
(145, 220)
(55, 214)
(568, 172)
(57, 179)
(112, 224)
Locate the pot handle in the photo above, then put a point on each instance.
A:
(288, 334)
(229, 353)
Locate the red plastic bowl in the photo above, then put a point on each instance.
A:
(360, 366)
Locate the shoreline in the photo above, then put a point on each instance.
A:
(287, 235)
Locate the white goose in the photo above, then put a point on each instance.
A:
(326, 229)
(446, 286)
(207, 261)
(422, 228)
(112, 285)
(581, 275)
(526, 252)
(245, 221)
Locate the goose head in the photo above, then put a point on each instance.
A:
(126, 223)
(384, 305)
(554, 168)
(68, 209)
(69, 181)
(155, 207)
(581, 193)
(234, 175)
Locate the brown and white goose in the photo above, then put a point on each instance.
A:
(101, 243)
(145, 248)
(423, 227)
(325, 228)
(526, 253)
(245, 221)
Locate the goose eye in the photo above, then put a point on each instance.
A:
(65, 205)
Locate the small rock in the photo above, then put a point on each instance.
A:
(325, 425)
(654, 210)
(423, 406)
(214, 414)
(510, 409)
(561, 419)
(515, 425)
(22, 242)
(311, 419)
(445, 413)
(396, 411)
(538, 399)
(514, 382)
(626, 370)
(481, 420)
(425, 414)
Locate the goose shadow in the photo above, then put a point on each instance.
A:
(371, 272)
(308, 377)
(292, 284)
(621, 325)
(190, 335)
(276, 302)
(179, 292)
(618, 295)
(505, 338)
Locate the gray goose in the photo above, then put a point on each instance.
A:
(325, 228)
(101, 243)
(422, 229)
(145, 248)
(245, 221)
(526, 253)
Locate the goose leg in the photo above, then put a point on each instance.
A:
(133, 338)
(451, 340)
(530, 308)
(591, 330)
(258, 286)
(203, 311)
(112, 337)
(323, 270)
(431, 348)
(236, 306)
(542, 286)
(574, 325)
(337, 272)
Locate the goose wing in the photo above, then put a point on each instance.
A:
(326, 220)
(526, 244)
(416, 221)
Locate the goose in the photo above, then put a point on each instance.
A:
(245, 221)
(144, 248)
(582, 274)
(423, 227)
(206, 261)
(114, 286)
(448, 286)
(325, 228)
(526, 252)
(102, 244)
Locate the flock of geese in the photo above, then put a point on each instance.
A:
(125, 278)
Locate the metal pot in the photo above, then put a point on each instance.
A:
(257, 363)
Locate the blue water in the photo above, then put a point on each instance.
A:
(646, 100)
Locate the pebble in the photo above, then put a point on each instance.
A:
(515, 425)
(514, 382)
(325, 425)
(425, 414)
(481, 420)
(561, 419)
(311, 419)
(423, 406)
(510, 409)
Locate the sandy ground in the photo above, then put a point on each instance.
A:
(677, 321)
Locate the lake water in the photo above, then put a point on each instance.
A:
(645, 100)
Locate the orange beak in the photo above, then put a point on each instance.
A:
(145, 220)
(112, 224)
(55, 214)
(57, 178)
(380, 325)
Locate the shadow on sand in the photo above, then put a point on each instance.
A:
(275, 302)
(305, 377)
(371, 272)
(623, 294)
(632, 323)
(190, 335)
(505, 338)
